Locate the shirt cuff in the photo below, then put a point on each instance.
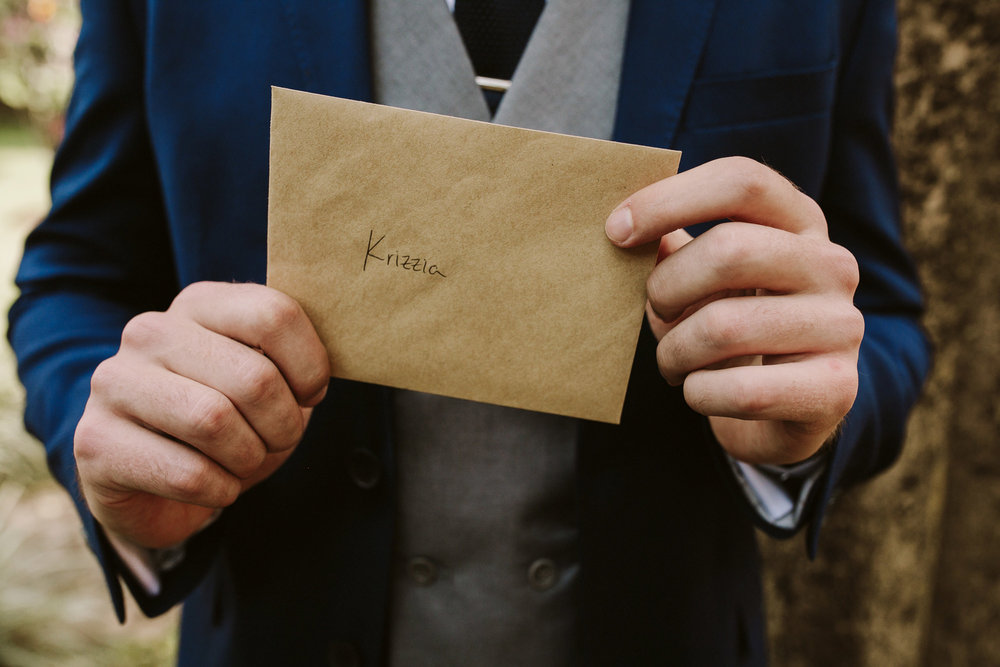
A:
(146, 565)
(780, 493)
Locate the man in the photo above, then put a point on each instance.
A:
(211, 425)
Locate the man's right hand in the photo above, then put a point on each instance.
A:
(200, 403)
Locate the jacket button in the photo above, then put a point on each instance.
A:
(542, 574)
(344, 654)
(422, 571)
(364, 468)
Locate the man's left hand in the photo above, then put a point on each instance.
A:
(755, 317)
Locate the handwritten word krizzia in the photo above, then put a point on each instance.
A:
(397, 259)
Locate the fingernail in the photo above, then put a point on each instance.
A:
(619, 224)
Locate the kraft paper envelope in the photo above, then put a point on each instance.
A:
(458, 257)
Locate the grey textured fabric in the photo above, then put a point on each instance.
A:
(485, 495)
(486, 530)
(419, 61)
(567, 80)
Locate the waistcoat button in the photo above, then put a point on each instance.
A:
(364, 468)
(542, 574)
(422, 570)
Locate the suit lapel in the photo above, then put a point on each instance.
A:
(332, 46)
(664, 43)
(419, 61)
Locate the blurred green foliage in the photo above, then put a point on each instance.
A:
(36, 53)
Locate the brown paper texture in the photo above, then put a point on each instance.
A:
(457, 257)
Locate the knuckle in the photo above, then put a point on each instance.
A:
(844, 266)
(198, 482)
(813, 211)
(258, 380)
(278, 313)
(739, 164)
(319, 375)
(143, 330)
(668, 358)
(289, 432)
(722, 326)
(855, 326)
(211, 416)
(727, 249)
(186, 482)
(87, 439)
(752, 179)
(697, 400)
(201, 483)
(308, 382)
(844, 385)
(733, 264)
(228, 493)
(847, 323)
(105, 377)
(845, 402)
(194, 292)
(247, 459)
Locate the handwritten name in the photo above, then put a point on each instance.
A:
(397, 259)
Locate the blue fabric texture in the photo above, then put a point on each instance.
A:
(162, 181)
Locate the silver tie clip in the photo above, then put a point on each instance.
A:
(488, 83)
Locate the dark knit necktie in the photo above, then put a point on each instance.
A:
(495, 33)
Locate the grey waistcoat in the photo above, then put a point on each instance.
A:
(486, 531)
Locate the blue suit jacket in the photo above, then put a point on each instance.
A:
(162, 181)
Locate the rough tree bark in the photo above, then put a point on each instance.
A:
(909, 565)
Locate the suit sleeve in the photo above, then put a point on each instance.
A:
(860, 197)
(101, 256)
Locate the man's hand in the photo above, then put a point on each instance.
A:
(200, 403)
(754, 317)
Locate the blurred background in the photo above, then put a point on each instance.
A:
(909, 565)
(54, 607)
